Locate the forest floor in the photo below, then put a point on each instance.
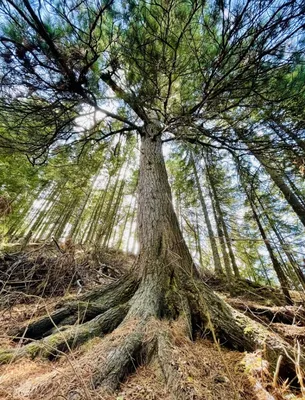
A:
(32, 286)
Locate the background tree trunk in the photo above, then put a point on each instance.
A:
(211, 235)
(222, 221)
(276, 265)
(279, 180)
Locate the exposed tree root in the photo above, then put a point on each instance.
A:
(69, 337)
(120, 361)
(239, 331)
(290, 315)
(192, 301)
(73, 312)
(201, 370)
(273, 346)
(291, 333)
(211, 314)
(87, 307)
(255, 336)
(174, 378)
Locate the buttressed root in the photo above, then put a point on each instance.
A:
(123, 359)
(202, 311)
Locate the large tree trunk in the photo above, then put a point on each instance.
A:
(163, 252)
(163, 284)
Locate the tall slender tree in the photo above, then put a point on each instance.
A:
(217, 263)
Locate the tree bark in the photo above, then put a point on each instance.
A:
(163, 251)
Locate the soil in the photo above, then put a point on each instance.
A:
(206, 370)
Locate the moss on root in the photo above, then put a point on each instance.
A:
(69, 337)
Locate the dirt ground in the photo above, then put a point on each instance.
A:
(206, 370)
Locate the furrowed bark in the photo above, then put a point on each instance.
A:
(163, 257)
(160, 237)
(120, 361)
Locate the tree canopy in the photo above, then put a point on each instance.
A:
(199, 68)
